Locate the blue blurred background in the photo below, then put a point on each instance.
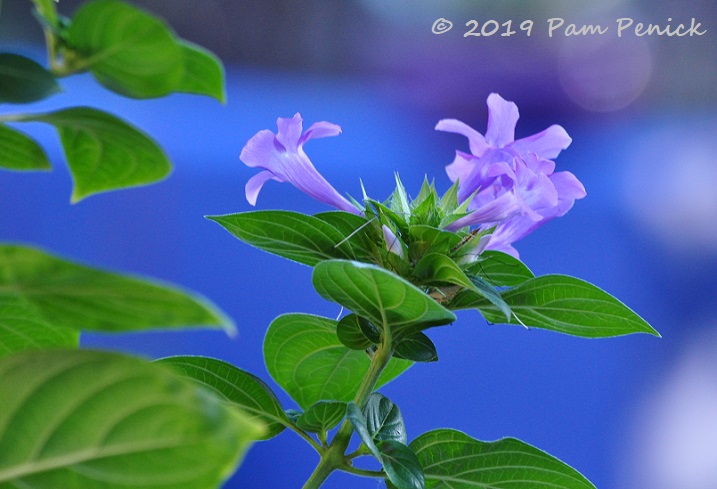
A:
(630, 413)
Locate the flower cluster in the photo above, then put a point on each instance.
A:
(506, 187)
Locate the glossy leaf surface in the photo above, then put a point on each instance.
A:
(380, 296)
(564, 304)
(236, 386)
(453, 460)
(304, 356)
(292, 235)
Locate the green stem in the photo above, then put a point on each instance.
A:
(334, 458)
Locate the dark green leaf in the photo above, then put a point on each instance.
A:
(453, 460)
(22, 80)
(500, 269)
(565, 304)
(380, 296)
(383, 419)
(350, 333)
(380, 427)
(322, 416)
(401, 465)
(305, 357)
(127, 50)
(361, 234)
(52, 291)
(232, 384)
(105, 153)
(298, 237)
(22, 327)
(358, 420)
(203, 72)
(416, 347)
(20, 152)
(78, 419)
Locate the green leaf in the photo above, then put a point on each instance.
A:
(127, 50)
(432, 239)
(380, 427)
(304, 356)
(437, 269)
(20, 152)
(380, 296)
(416, 347)
(500, 269)
(76, 419)
(322, 416)
(298, 237)
(565, 304)
(350, 333)
(401, 465)
(67, 295)
(22, 80)
(383, 419)
(358, 420)
(236, 386)
(22, 327)
(453, 460)
(105, 153)
(361, 234)
(203, 72)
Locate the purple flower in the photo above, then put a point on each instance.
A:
(282, 158)
(511, 182)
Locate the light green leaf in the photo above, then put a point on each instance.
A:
(305, 357)
(236, 386)
(22, 327)
(565, 304)
(401, 465)
(105, 153)
(298, 237)
(20, 152)
(322, 416)
(127, 50)
(500, 269)
(385, 299)
(75, 419)
(203, 72)
(63, 294)
(22, 80)
(453, 460)
(416, 347)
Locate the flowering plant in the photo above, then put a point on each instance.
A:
(75, 418)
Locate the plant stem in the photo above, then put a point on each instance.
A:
(334, 458)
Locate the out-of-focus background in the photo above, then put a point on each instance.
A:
(630, 413)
